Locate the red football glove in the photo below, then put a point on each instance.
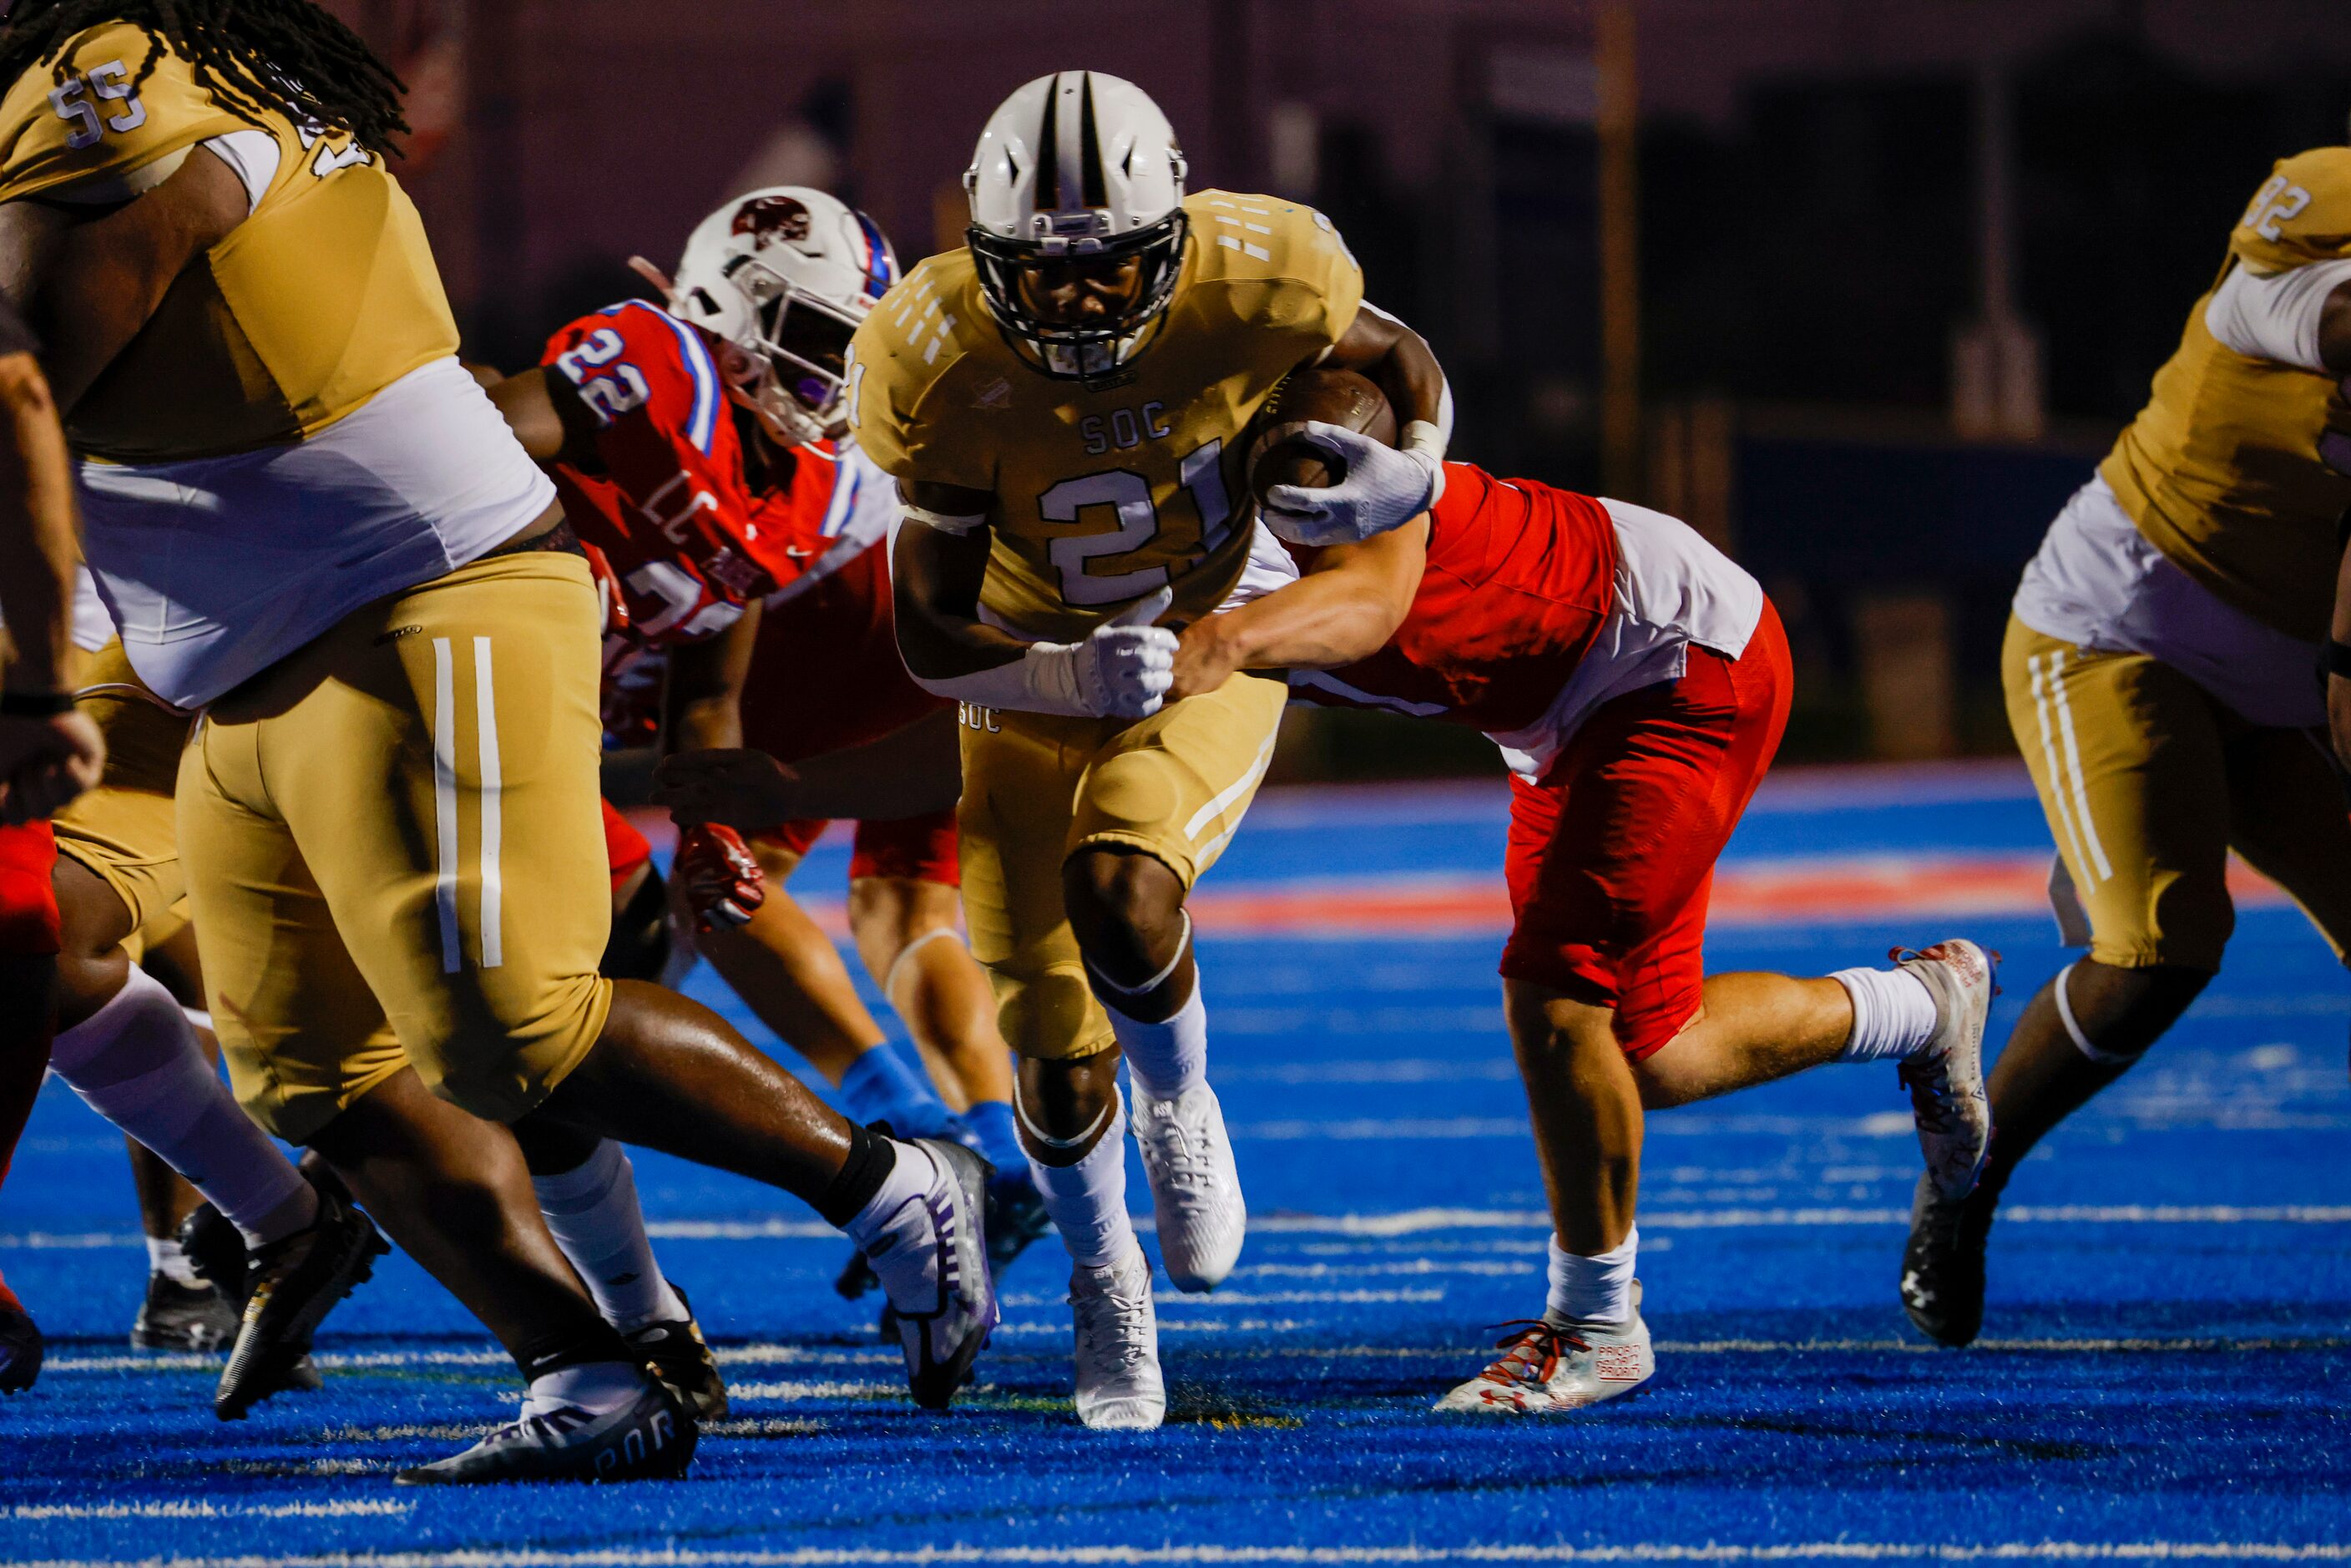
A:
(610, 599)
(723, 881)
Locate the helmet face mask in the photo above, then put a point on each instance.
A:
(1078, 231)
(795, 347)
(1026, 284)
(780, 279)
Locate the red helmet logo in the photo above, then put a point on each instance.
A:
(781, 217)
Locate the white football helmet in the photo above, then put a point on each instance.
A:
(780, 278)
(1078, 174)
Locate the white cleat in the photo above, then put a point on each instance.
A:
(933, 1269)
(1946, 1080)
(1547, 1370)
(1119, 1385)
(1195, 1188)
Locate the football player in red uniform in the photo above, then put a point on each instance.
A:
(49, 752)
(696, 445)
(1637, 681)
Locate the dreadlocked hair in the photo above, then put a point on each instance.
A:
(286, 55)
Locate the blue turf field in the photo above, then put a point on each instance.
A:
(2163, 1372)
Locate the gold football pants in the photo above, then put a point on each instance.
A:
(1036, 789)
(126, 832)
(401, 820)
(2148, 781)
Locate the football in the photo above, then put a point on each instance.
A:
(1333, 396)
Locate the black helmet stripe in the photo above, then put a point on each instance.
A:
(1091, 189)
(1049, 148)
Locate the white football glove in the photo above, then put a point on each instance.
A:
(1384, 488)
(1120, 670)
(1125, 666)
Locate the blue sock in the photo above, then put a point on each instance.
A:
(999, 1139)
(879, 1086)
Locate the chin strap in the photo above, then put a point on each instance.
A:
(653, 275)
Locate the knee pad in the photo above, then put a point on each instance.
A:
(1048, 1011)
(500, 1068)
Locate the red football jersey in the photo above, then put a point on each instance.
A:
(1520, 578)
(689, 537)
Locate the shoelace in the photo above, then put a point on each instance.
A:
(1182, 1162)
(1124, 1326)
(1532, 1350)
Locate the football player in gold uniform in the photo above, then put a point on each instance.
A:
(1062, 403)
(309, 521)
(2161, 671)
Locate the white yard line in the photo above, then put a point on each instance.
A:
(344, 1509)
(1336, 1556)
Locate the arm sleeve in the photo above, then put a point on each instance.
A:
(2275, 317)
(92, 123)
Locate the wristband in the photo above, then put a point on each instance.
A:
(2338, 659)
(50, 704)
(1421, 436)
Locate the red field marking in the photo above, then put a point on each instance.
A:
(1754, 893)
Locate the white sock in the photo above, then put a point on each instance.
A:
(165, 1258)
(1593, 1289)
(592, 1211)
(598, 1387)
(135, 1062)
(1088, 1200)
(1168, 1058)
(1893, 1013)
(893, 1208)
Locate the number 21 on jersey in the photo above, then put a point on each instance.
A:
(1128, 493)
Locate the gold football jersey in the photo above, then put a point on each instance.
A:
(322, 297)
(2226, 469)
(1110, 489)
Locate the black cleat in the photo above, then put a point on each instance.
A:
(1943, 1266)
(20, 1351)
(1016, 1216)
(291, 1284)
(216, 1251)
(681, 1358)
(183, 1317)
(652, 1438)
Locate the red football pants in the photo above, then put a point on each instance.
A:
(29, 941)
(825, 674)
(1611, 856)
